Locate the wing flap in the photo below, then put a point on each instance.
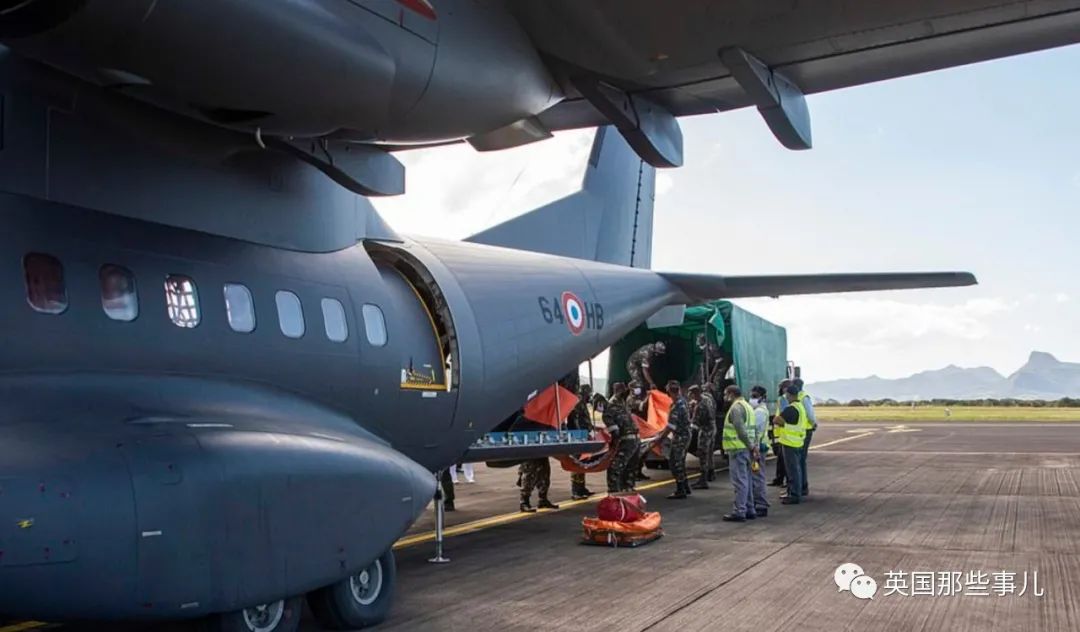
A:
(704, 287)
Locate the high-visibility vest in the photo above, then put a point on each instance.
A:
(794, 435)
(807, 425)
(730, 439)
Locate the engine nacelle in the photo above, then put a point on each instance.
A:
(373, 70)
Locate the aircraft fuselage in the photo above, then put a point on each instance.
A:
(207, 423)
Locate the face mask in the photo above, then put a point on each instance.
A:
(600, 408)
(754, 401)
(637, 391)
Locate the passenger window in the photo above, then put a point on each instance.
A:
(182, 299)
(374, 325)
(333, 312)
(290, 314)
(119, 298)
(239, 308)
(45, 289)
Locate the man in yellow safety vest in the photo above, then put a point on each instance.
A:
(740, 448)
(810, 425)
(790, 428)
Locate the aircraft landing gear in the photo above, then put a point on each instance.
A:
(358, 601)
(278, 616)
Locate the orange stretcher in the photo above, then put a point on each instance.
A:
(616, 534)
(648, 427)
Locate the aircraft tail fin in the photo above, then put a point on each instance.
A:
(610, 219)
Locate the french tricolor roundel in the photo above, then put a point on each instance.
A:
(574, 310)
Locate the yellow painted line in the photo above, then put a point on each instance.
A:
(507, 518)
(25, 625)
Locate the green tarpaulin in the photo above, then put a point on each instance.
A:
(757, 347)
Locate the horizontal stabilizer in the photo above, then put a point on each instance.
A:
(704, 287)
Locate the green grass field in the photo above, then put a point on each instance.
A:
(937, 413)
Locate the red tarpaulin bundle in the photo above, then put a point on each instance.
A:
(621, 508)
(542, 408)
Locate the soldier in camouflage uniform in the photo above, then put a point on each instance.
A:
(580, 419)
(703, 415)
(637, 365)
(620, 476)
(637, 403)
(709, 392)
(536, 473)
(679, 429)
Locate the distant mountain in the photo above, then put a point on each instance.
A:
(1043, 377)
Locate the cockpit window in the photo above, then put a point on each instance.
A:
(374, 325)
(119, 298)
(182, 300)
(290, 314)
(239, 308)
(337, 329)
(45, 289)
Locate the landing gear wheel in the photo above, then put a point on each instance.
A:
(358, 601)
(277, 616)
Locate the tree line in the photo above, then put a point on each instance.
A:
(1064, 402)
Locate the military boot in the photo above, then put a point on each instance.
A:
(526, 507)
(546, 504)
(680, 492)
(700, 483)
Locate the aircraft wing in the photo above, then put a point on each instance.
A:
(704, 287)
(668, 52)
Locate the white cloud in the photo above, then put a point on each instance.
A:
(1061, 297)
(879, 322)
(664, 182)
(455, 191)
(847, 336)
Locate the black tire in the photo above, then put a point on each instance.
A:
(263, 618)
(345, 606)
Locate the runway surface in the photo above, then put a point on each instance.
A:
(970, 498)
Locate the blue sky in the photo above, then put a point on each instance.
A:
(974, 168)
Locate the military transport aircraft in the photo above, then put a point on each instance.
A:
(226, 382)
